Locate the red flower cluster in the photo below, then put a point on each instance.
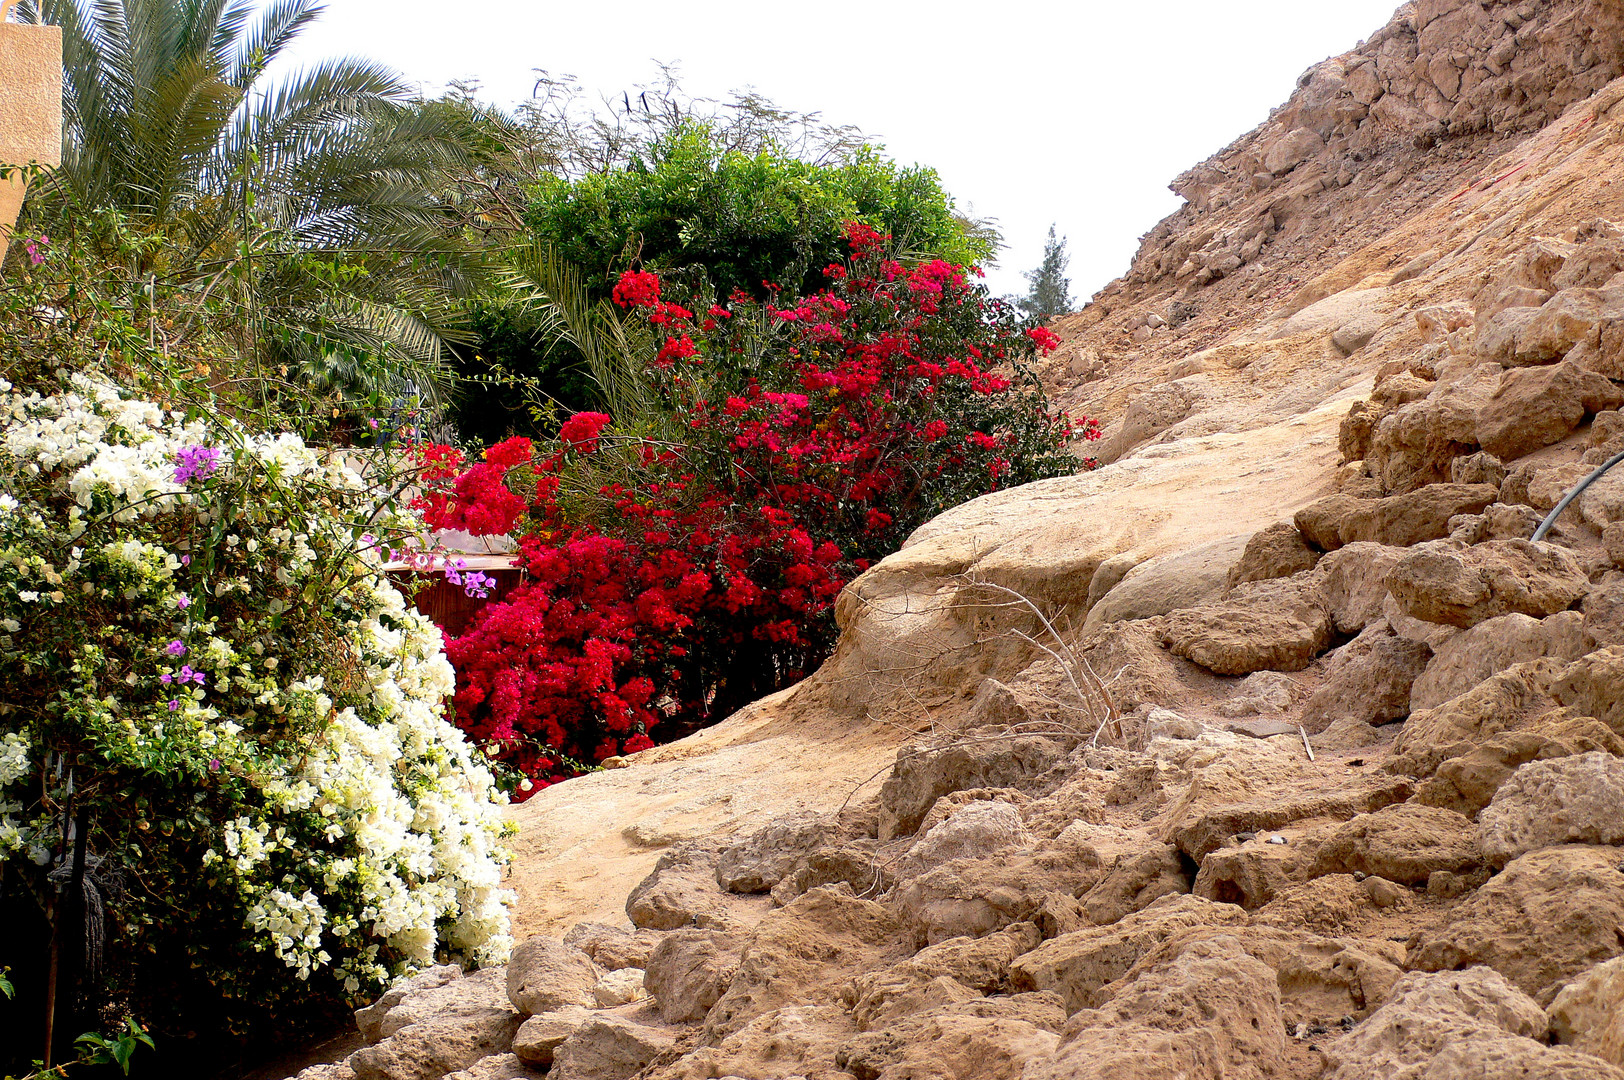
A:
(705, 577)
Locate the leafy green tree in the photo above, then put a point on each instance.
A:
(306, 208)
(1050, 293)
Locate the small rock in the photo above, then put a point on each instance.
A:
(608, 1047)
(541, 1034)
(544, 974)
(619, 988)
(1382, 893)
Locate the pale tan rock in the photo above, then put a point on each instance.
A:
(1535, 407)
(608, 1047)
(1353, 583)
(1465, 586)
(1603, 622)
(1169, 583)
(922, 776)
(1369, 680)
(618, 988)
(760, 861)
(1593, 685)
(945, 1044)
(1467, 784)
(1212, 1012)
(542, 1033)
(1252, 874)
(497, 1067)
(1512, 699)
(1459, 1024)
(1405, 843)
(680, 891)
(1276, 552)
(442, 1030)
(1398, 520)
(544, 975)
(1278, 625)
(979, 965)
(1588, 1014)
(369, 1020)
(803, 953)
(1547, 917)
(612, 947)
(1078, 965)
(1491, 647)
(689, 971)
(1479, 468)
(1565, 800)
(1415, 444)
(796, 1041)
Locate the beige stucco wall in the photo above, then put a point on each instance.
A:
(30, 109)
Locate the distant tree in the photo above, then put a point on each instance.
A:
(1050, 294)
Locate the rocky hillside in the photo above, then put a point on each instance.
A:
(1275, 748)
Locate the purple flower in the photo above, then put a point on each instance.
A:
(188, 675)
(182, 602)
(186, 560)
(214, 765)
(166, 678)
(175, 648)
(196, 463)
(174, 705)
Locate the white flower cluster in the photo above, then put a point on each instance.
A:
(376, 845)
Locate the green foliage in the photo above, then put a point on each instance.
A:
(310, 204)
(1050, 293)
(733, 220)
(206, 662)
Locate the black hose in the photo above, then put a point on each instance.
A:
(1550, 519)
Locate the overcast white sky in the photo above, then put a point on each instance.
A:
(1075, 113)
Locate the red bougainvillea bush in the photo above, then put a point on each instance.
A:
(680, 567)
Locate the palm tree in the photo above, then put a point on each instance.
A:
(305, 206)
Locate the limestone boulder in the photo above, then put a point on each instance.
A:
(941, 1043)
(1457, 1024)
(1367, 680)
(1404, 843)
(976, 895)
(1577, 799)
(442, 1030)
(977, 829)
(1253, 873)
(1535, 407)
(1593, 685)
(1077, 966)
(1212, 1012)
(609, 1047)
(1397, 521)
(543, 975)
(1603, 609)
(979, 965)
(689, 971)
(854, 862)
(542, 1033)
(680, 891)
(1279, 625)
(1515, 698)
(370, 1020)
(621, 987)
(1170, 582)
(1468, 783)
(1415, 444)
(795, 1041)
(1445, 583)
(803, 954)
(498, 1067)
(922, 775)
(1492, 646)
(1588, 1013)
(1546, 918)
(611, 947)
(1353, 583)
(1276, 552)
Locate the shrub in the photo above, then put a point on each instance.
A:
(208, 668)
(671, 580)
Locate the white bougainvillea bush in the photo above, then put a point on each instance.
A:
(206, 665)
